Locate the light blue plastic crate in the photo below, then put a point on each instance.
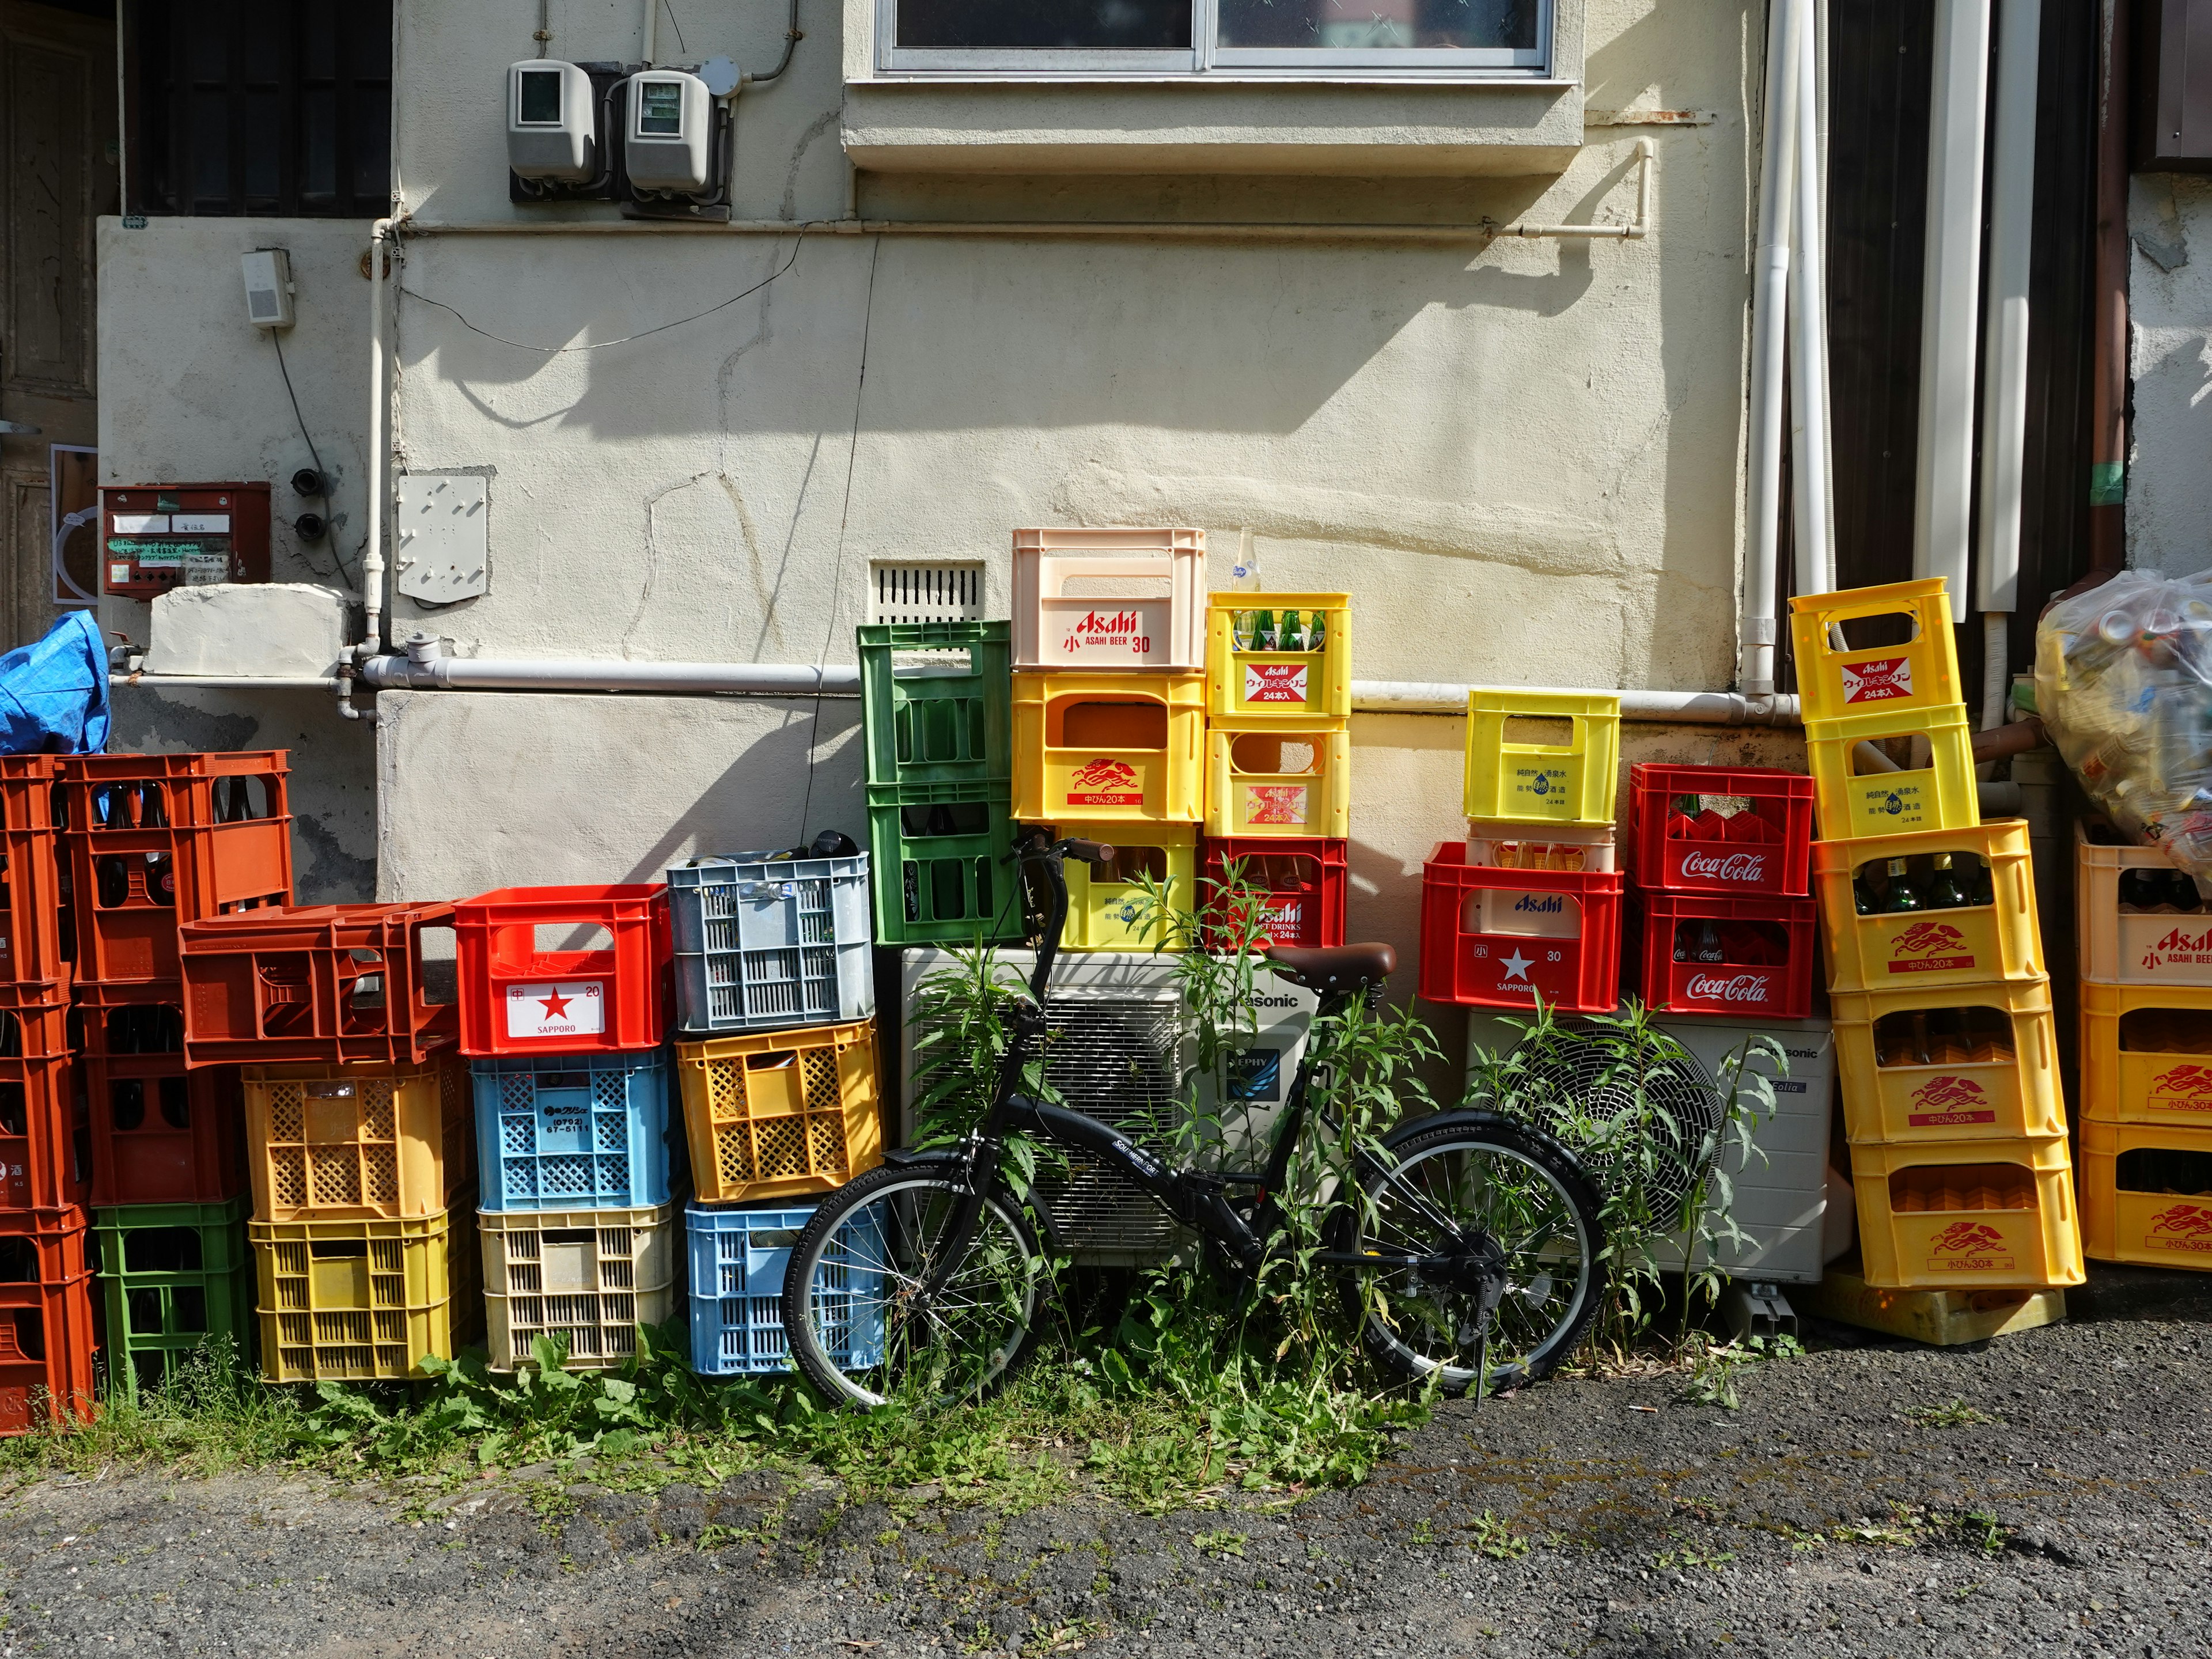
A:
(575, 1132)
(738, 1257)
(762, 942)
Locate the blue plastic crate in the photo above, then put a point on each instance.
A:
(762, 941)
(739, 1258)
(575, 1132)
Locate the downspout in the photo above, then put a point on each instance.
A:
(1755, 628)
(1808, 336)
(371, 556)
(649, 31)
(1951, 294)
(2004, 383)
(2108, 383)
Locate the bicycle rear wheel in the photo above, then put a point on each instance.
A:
(861, 1323)
(1495, 1200)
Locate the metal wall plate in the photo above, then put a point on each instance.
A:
(441, 533)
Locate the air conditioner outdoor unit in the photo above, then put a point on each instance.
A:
(1121, 1046)
(1781, 1202)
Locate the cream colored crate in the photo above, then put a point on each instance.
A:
(589, 1276)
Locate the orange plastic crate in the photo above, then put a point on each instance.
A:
(525, 988)
(159, 1134)
(46, 1334)
(32, 944)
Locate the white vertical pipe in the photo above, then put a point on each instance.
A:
(650, 32)
(1770, 309)
(1808, 341)
(2004, 381)
(1821, 37)
(1951, 290)
(371, 554)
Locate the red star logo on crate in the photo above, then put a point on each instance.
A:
(555, 1005)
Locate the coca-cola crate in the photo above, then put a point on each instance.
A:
(33, 945)
(46, 1334)
(1758, 848)
(153, 840)
(1501, 939)
(1740, 956)
(1920, 671)
(336, 982)
(564, 969)
(159, 1133)
(1118, 599)
(1303, 885)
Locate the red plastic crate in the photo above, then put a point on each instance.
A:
(153, 840)
(527, 988)
(1766, 944)
(43, 1156)
(1305, 881)
(46, 1336)
(1779, 866)
(336, 982)
(158, 1134)
(1501, 960)
(34, 1019)
(32, 943)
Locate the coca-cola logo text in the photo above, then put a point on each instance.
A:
(1725, 866)
(1727, 988)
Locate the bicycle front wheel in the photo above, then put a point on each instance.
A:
(859, 1308)
(1468, 1210)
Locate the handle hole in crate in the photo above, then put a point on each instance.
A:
(1116, 587)
(30, 1333)
(1540, 730)
(1969, 1187)
(176, 1103)
(585, 1236)
(126, 1103)
(1132, 864)
(1264, 753)
(549, 1081)
(18, 1262)
(570, 938)
(1943, 1037)
(14, 1118)
(775, 1060)
(2164, 1169)
(187, 1310)
(2166, 1032)
(1968, 876)
(438, 950)
(1101, 724)
(145, 1029)
(241, 800)
(775, 1238)
(162, 1250)
(338, 1250)
(1911, 751)
(1883, 627)
(945, 818)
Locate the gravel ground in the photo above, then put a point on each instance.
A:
(1579, 1517)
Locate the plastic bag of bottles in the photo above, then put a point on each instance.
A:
(2124, 683)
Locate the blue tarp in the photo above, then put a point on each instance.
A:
(53, 694)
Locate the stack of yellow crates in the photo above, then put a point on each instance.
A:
(1944, 1035)
(2146, 1108)
(1109, 715)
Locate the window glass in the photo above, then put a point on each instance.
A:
(1380, 25)
(1099, 25)
(541, 96)
(660, 109)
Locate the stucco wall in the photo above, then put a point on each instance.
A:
(2169, 312)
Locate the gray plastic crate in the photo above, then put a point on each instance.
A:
(763, 941)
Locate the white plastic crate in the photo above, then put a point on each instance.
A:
(1540, 846)
(762, 941)
(2128, 945)
(1089, 600)
(593, 1276)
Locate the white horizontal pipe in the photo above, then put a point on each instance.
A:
(581, 674)
(1689, 708)
(240, 682)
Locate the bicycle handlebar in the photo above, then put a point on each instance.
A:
(1092, 853)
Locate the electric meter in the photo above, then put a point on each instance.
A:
(666, 142)
(552, 122)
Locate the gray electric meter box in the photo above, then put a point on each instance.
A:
(665, 140)
(551, 133)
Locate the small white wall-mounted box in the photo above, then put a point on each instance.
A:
(552, 129)
(666, 145)
(267, 288)
(443, 530)
(258, 630)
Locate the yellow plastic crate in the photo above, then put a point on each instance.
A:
(1109, 748)
(1990, 1071)
(1998, 940)
(772, 1114)
(1106, 911)
(357, 1142)
(2146, 1195)
(2147, 1055)
(1921, 673)
(353, 1301)
(1282, 781)
(592, 1276)
(1937, 796)
(1988, 1214)
(1524, 782)
(1246, 683)
(2121, 945)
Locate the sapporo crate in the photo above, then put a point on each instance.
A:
(1500, 938)
(557, 970)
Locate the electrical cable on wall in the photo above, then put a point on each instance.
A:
(322, 474)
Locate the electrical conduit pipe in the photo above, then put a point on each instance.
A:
(1755, 627)
(1808, 338)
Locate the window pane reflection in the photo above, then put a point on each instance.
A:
(1380, 25)
(1104, 25)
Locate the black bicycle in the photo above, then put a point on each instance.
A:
(1467, 1249)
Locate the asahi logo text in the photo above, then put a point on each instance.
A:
(1749, 988)
(1119, 625)
(1725, 866)
(1540, 904)
(1879, 680)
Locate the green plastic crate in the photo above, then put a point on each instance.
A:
(173, 1276)
(937, 700)
(938, 855)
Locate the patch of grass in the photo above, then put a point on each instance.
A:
(1494, 1538)
(1955, 1413)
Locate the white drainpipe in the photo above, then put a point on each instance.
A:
(1951, 293)
(372, 557)
(1755, 628)
(1808, 334)
(2004, 384)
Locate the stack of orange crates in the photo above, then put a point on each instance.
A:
(1945, 1042)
